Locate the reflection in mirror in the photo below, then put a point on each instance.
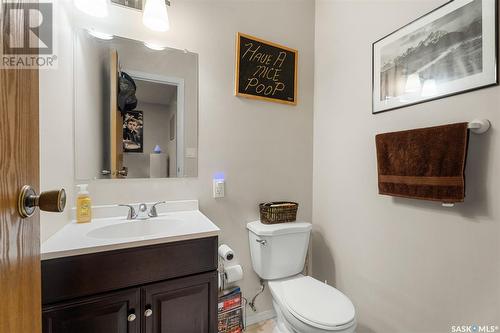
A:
(136, 110)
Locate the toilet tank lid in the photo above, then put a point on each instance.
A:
(261, 229)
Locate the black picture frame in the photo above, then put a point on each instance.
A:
(496, 72)
(133, 132)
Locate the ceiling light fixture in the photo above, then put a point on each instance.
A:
(97, 8)
(100, 35)
(155, 15)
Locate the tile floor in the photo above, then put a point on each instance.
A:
(263, 327)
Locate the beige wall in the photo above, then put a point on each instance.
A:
(92, 98)
(408, 266)
(264, 149)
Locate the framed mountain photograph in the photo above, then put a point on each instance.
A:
(448, 51)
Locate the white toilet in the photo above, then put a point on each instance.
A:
(302, 304)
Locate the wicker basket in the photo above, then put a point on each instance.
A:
(278, 212)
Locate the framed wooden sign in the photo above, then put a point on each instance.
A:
(265, 70)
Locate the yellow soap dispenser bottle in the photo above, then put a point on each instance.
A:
(83, 205)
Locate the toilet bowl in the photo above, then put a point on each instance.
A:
(306, 305)
(302, 303)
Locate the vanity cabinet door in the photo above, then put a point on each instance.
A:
(184, 305)
(110, 313)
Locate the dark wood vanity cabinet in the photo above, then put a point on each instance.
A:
(108, 313)
(181, 305)
(153, 290)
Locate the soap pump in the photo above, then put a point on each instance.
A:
(83, 205)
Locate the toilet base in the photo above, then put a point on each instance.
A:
(281, 325)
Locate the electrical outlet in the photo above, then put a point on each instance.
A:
(218, 188)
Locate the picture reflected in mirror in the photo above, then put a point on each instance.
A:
(133, 129)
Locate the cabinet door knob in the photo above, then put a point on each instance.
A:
(148, 313)
(131, 317)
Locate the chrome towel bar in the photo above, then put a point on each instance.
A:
(479, 126)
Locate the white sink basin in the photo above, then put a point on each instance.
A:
(109, 230)
(136, 228)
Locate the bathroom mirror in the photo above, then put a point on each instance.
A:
(136, 109)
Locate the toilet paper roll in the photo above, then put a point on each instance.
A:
(233, 273)
(226, 252)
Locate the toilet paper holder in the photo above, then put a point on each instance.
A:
(225, 252)
(229, 271)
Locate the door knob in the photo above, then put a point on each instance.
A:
(123, 172)
(148, 313)
(131, 317)
(50, 201)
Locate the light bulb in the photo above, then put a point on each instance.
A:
(97, 8)
(413, 83)
(155, 15)
(429, 89)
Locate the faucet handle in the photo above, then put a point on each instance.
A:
(132, 215)
(152, 211)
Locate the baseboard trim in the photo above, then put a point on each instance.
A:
(259, 316)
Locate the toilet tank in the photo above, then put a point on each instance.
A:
(278, 250)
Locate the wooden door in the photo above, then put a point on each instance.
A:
(20, 305)
(116, 121)
(109, 313)
(184, 305)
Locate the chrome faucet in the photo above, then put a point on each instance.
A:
(143, 213)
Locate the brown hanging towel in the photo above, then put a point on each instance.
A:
(426, 163)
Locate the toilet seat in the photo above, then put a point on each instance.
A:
(314, 303)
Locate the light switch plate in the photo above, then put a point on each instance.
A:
(218, 188)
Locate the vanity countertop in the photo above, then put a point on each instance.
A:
(113, 233)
